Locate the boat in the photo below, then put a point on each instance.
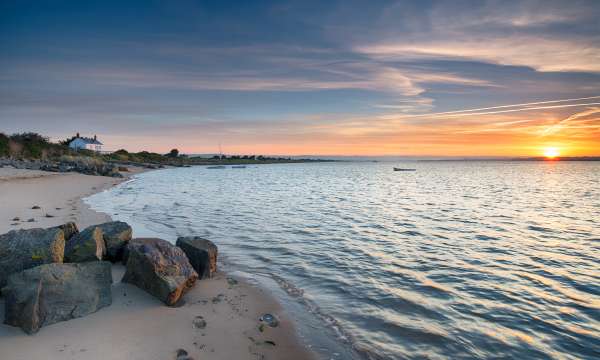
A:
(238, 166)
(216, 167)
(404, 169)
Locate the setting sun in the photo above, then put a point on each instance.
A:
(551, 152)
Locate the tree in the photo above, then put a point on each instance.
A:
(173, 153)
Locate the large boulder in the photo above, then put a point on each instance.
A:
(51, 293)
(69, 229)
(202, 254)
(116, 235)
(87, 245)
(160, 268)
(24, 249)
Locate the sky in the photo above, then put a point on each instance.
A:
(412, 78)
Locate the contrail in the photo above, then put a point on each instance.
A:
(526, 106)
(515, 110)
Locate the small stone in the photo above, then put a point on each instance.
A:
(270, 320)
(31, 220)
(199, 322)
(49, 216)
(16, 219)
(232, 281)
(181, 354)
(217, 299)
(35, 207)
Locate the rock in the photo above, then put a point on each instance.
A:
(16, 219)
(116, 236)
(270, 320)
(199, 322)
(31, 220)
(87, 245)
(69, 229)
(51, 293)
(160, 268)
(181, 354)
(202, 254)
(35, 207)
(24, 249)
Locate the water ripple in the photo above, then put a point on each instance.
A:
(457, 260)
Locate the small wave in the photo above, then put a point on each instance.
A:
(539, 229)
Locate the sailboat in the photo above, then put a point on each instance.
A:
(220, 158)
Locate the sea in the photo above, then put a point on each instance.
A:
(455, 260)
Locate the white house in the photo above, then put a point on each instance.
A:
(85, 143)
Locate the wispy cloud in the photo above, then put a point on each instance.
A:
(537, 52)
(544, 35)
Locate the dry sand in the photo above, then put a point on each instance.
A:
(136, 325)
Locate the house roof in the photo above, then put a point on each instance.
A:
(89, 140)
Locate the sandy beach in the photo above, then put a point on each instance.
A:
(219, 319)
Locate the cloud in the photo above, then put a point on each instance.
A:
(544, 35)
(539, 53)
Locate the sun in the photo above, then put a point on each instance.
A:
(551, 152)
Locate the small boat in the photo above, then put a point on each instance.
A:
(216, 167)
(238, 166)
(404, 169)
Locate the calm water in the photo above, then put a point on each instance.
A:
(455, 260)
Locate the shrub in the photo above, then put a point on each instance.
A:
(4, 149)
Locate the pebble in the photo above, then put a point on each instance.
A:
(270, 320)
(199, 322)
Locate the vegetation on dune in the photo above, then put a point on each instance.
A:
(4, 149)
(29, 146)
(32, 146)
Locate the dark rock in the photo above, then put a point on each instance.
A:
(160, 268)
(16, 219)
(69, 229)
(181, 354)
(35, 207)
(199, 322)
(202, 254)
(87, 245)
(270, 320)
(24, 249)
(51, 293)
(116, 236)
(31, 220)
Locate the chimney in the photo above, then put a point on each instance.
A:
(77, 134)
(94, 137)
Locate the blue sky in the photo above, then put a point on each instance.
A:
(298, 77)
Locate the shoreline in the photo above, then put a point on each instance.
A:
(136, 325)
